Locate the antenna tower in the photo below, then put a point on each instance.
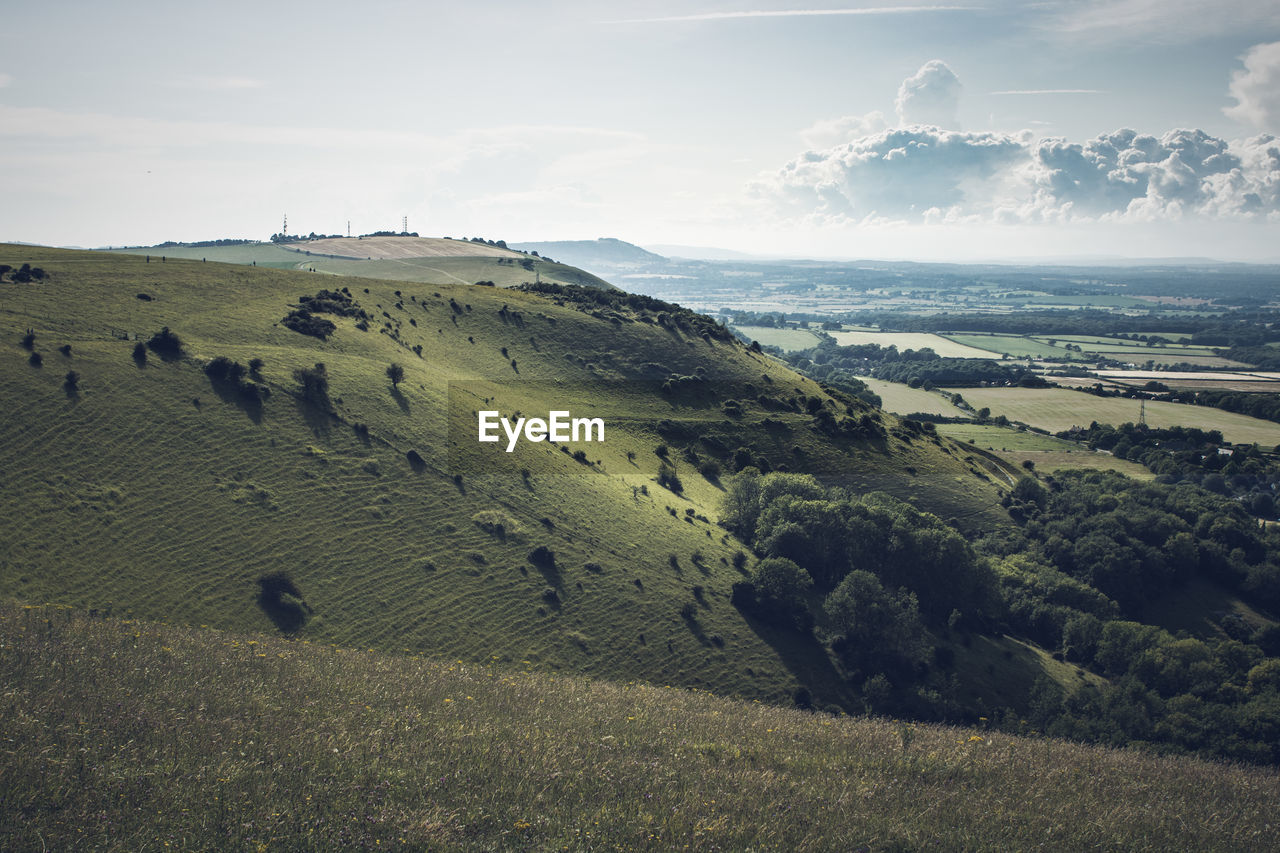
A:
(284, 229)
(404, 225)
(1142, 413)
(348, 227)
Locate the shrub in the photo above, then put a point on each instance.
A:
(36, 359)
(395, 372)
(165, 344)
(255, 369)
(283, 602)
(542, 556)
(668, 478)
(305, 323)
(29, 340)
(65, 349)
(72, 380)
(140, 353)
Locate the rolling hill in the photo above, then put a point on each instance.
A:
(159, 485)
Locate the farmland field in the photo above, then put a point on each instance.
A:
(914, 340)
(1057, 409)
(789, 340)
(1018, 346)
(1000, 438)
(901, 400)
(1050, 461)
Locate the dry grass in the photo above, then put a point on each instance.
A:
(135, 736)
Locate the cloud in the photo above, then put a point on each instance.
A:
(836, 131)
(925, 174)
(1257, 88)
(906, 173)
(796, 13)
(1159, 21)
(930, 96)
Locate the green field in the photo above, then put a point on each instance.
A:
(1052, 461)
(1058, 409)
(1004, 438)
(902, 400)
(943, 346)
(1018, 346)
(126, 735)
(788, 340)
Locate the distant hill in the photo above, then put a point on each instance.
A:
(703, 253)
(429, 260)
(607, 253)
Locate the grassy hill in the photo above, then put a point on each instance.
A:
(150, 490)
(140, 736)
(428, 260)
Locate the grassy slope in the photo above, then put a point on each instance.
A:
(131, 497)
(142, 736)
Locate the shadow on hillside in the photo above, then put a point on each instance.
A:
(806, 659)
(282, 602)
(317, 418)
(400, 399)
(248, 402)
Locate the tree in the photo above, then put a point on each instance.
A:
(395, 373)
(72, 380)
(315, 385)
(781, 588)
(876, 622)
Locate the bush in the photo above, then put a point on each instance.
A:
(29, 340)
(395, 372)
(72, 380)
(36, 359)
(668, 478)
(542, 556)
(140, 353)
(305, 323)
(781, 589)
(165, 344)
(283, 602)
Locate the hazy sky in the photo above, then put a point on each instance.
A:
(976, 128)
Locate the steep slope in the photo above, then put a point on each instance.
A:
(147, 488)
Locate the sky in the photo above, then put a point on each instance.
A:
(919, 130)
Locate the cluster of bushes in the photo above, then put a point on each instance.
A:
(165, 344)
(635, 305)
(23, 274)
(338, 303)
(231, 375)
(885, 586)
(1189, 455)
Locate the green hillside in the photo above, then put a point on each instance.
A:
(139, 735)
(148, 489)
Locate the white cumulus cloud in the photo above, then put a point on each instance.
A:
(930, 96)
(1257, 88)
(836, 131)
(926, 174)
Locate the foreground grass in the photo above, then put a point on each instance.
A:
(138, 736)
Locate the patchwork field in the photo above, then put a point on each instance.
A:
(902, 400)
(1018, 346)
(1057, 409)
(788, 340)
(943, 346)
